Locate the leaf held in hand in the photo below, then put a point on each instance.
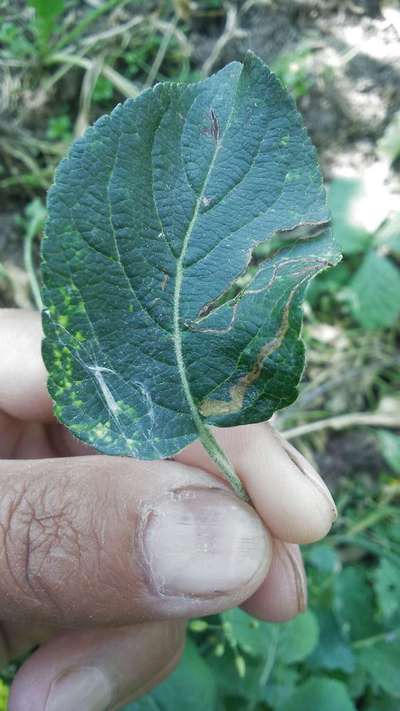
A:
(183, 229)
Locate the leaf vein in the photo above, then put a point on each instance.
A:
(114, 235)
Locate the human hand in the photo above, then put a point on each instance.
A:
(102, 558)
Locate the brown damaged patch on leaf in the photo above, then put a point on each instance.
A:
(214, 129)
(273, 246)
(215, 408)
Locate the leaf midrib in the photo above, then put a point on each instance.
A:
(177, 334)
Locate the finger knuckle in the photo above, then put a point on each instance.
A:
(37, 531)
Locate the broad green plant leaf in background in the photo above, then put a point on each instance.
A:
(281, 686)
(387, 238)
(347, 219)
(182, 232)
(319, 694)
(353, 603)
(386, 578)
(298, 638)
(383, 704)
(381, 660)
(191, 685)
(324, 558)
(359, 205)
(292, 642)
(373, 293)
(267, 649)
(332, 652)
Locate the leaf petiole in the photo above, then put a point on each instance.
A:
(217, 454)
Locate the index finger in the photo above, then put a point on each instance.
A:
(23, 392)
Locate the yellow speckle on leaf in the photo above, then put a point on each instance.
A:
(78, 335)
(101, 430)
(66, 296)
(63, 320)
(126, 409)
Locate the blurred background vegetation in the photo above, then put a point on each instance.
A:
(63, 63)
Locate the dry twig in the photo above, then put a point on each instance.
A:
(342, 422)
(231, 31)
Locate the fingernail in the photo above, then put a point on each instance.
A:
(84, 688)
(312, 476)
(203, 542)
(291, 558)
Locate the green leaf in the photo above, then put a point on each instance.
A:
(270, 647)
(357, 682)
(388, 237)
(389, 443)
(298, 638)
(328, 283)
(162, 312)
(323, 557)
(359, 207)
(191, 685)
(353, 603)
(387, 589)
(381, 661)
(290, 641)
(281, 685)
(321, 694)
(383, 704)
(373, 293)
(348, 222)
(332, 651)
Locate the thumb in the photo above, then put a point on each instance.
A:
(115, 541)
